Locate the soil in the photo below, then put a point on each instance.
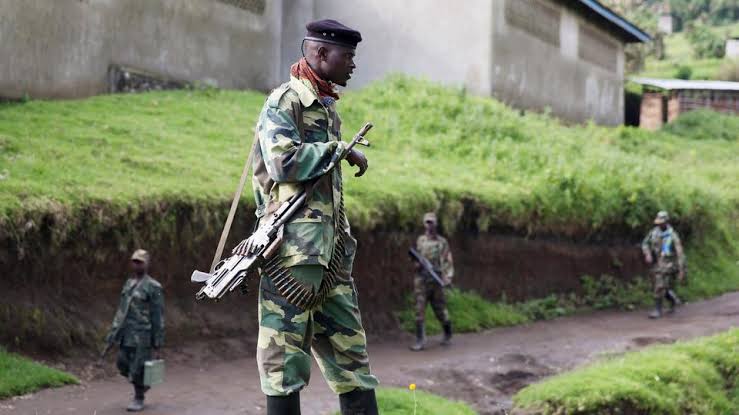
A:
(484, 369)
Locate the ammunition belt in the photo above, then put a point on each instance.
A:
(297, 293)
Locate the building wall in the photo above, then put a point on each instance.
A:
(665, 24)
(546, 56)
(423, 38)
(722, 101)
(732, 48)
(652, 111)
(62, 48)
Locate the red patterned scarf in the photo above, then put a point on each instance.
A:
(302, 70)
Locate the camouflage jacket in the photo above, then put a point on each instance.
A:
(286, 162)
(664, 246)
(437, 251)
(139, 319)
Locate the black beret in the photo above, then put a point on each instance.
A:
(331, 31)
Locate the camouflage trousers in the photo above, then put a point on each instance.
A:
(331, 331)
(664, 275)
(130, 362)
(431, 292)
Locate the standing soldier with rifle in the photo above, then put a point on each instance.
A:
(663, 250)
(428, 283)
(307, 299)
(138, 326)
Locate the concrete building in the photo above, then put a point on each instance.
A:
(732, 48)
(663, 100)
(563, 55)
(63, 48)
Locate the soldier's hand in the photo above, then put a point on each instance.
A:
(681, 276)
(357, 158)
(648, 259)
(242, 248)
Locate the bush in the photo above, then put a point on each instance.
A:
(683, 72)
(705, 124)
(706, 43)
(729, 71)
(697, 377)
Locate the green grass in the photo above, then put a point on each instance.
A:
(696, 377)
(395, 401)
(19, 376)
(470, 313)
(433, 148)
(679, 52)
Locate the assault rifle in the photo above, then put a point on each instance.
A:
(426, 264)
(263, 243)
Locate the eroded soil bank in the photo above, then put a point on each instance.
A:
(60, 293)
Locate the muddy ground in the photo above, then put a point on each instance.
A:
(484, 369)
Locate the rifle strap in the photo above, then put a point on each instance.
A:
(298, 118)
(234, 205)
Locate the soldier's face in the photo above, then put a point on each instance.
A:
(430, 226)
(663, 225)
(338, 64)
(138, 267)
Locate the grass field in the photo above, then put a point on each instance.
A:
(696, 377)
(680, 53)
(433, 148)
(394, 401)
(19, 376)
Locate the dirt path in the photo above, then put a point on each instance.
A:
(484, 369)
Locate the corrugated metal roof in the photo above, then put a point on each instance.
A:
(674, 84)
(629, 29)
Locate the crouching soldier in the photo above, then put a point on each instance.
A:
(664, 252)
(435, 249)
(138, 326)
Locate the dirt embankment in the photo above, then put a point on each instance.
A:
(60, 292)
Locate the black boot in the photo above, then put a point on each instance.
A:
(447, 340)
(284, 405)
(657, 313)
(420, 337)
(673, 299)
(358, 402)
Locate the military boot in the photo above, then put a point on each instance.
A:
(358, 402)
(673, 299)
(284, 405)
(447, 340)
(420, 338)
(657, 313)
(137, 404)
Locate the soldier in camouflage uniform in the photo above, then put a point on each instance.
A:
(138, 326)
(435, 248)
(307, 298)
(664, 252)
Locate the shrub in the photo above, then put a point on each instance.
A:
(705, 125)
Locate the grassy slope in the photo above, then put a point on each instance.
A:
(393, 401)
(680, 53)
(433, 148)
(698, 377)
(19, 375)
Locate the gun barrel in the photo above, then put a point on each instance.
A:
(426, 265)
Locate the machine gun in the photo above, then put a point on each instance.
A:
(426, 264)
(263, 243)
